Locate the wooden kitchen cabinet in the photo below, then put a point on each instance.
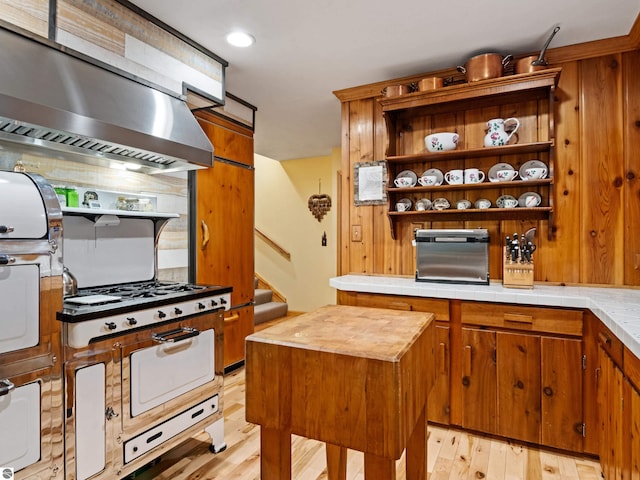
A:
(465, 109)
(224, 222)
(518, 381)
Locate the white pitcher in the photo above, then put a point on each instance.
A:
(496, 135)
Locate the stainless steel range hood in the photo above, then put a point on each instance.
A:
(54, 104)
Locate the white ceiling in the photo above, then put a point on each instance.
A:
(306, 49)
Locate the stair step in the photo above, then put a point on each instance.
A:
(268, 311)
(262, 295)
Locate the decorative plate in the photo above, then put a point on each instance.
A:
(525, 199)
(411, 174)
(531, 164)
(493, 171)
(501, 201)
(435, 172)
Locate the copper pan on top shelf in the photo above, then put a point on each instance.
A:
(485, 66)
(430, 83)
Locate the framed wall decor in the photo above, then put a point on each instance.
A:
(369, 183)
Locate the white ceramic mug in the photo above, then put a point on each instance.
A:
(506, 175)
(531, 201)
(473, 175)
(483, 203)
(463, 204)
(535, 173)
(403, 182)
(428, 180)
(454, 177)
(510, 203)
(401, 207)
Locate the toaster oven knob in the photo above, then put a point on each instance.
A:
(201, 306)
(178, 311)
(131, 321)
(111, 325)
(161, 314)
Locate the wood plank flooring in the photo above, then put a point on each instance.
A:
(453, 454)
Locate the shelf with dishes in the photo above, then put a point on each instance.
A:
(467, 186)
(537, 213)
(426, 156)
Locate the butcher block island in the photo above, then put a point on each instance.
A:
(353, 377)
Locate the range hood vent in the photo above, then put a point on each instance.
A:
(57, 105)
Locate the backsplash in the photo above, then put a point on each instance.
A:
(170, 194)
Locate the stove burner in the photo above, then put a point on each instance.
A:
(142, 289)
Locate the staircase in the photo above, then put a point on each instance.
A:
(266, 308)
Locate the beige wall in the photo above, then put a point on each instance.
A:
(282, 193)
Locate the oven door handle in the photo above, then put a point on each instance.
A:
(5, 387)
(173, 336)
(6, 260)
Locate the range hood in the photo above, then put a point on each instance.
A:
(57, 105)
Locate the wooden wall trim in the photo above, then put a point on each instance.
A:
(554, 56)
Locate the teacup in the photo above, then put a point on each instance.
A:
(473, 175)
(483, 203)
(510, 203)
(439, 142)
(403, 182)
(441, 204)
(428, 180)
(454, 177)
(506, 175)
(531, 201)
(535, 173)
(401, 207)
(463, 204)
(424, 204)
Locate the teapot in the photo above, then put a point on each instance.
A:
(496, 135)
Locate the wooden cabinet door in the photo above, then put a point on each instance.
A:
(479, 381)
(518, 359)
(438, 404)
(562, 416)
(611, 415)
(634, 404)
(236, 325)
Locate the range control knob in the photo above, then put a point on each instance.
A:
(178, 311)
(201, 306)
(111, 325)
(131, 321)
(161, 314)
(223, 301)
(214, 303)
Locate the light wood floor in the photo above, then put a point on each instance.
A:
(453, 454)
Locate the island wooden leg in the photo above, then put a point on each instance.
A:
(275, 454)
(336, 462)
(379, 468)
(417, 450)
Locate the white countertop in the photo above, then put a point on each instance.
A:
(618, 308)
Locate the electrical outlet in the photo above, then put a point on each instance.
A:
(356, 233)
(324, 239)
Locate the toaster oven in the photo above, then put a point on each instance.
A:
(452, 256)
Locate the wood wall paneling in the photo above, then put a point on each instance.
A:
(631, 96)
(602, 167)
(31, 15)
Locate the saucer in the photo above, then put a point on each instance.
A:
(500, 202)
(522, 201)
(436, 173)
(493, 171)
(411, 174)
(531, 164)
(441, 204)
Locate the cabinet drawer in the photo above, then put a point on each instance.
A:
(437, 306)
(610, 343)
(539, 319)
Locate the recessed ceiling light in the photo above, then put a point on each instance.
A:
(240, 39)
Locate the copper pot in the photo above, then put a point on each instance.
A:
(430, 83)
(485, 66)
(394, 90)
(527, 65)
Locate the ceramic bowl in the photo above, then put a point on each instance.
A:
(441, 142)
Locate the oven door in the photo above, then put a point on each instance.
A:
(31, 423)
(169, 369)
(27, 308)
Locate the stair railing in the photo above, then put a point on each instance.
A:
(273, 244)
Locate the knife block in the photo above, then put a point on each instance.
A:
(516, 275)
